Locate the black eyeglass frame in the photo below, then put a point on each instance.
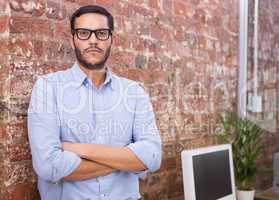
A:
(92, 31)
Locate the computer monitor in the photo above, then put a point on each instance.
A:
(208, 173)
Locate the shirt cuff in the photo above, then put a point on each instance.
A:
(67, 168)
(146, 153)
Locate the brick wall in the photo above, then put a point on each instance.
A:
(268, 63)
(184, 52)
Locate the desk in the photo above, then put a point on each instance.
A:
(267, 195)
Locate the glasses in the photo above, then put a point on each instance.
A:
(85, 34)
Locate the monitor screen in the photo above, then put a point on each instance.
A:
(208, 173)
(212, 175)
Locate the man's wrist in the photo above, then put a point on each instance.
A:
(84, 150)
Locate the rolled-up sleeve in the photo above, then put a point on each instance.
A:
(147, 142)
(49, 161)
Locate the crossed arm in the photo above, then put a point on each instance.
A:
(99, 160)
(84, 161)
(88, 169)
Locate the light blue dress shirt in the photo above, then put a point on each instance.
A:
(66, 106)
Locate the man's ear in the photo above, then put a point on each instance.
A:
(113, 38)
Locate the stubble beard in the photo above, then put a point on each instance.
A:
(96, 66)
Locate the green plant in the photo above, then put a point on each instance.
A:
(245, 137)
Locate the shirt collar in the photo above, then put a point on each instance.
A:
(109, 78)
(80, 77)
(78, 74)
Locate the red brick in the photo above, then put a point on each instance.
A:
(233, 27)
(197, 2)
(159, 76)
(4, 85)
(36, 8)
(107, 3)
(135, 74)
(122, 59)
(179, 34)
(69, 55)
(17, 110)
(167, 6)
(160, 62)
(167, 20)
(4, 7)
(38, 47)
(22, 191)
(18, 151)
(180, 8)
(21, 86)
(122, 40)
(140, 44)
(4, 23)
(3, 111)
(31, 26)
(132, 10)
(53, 50)
(70, 9)
(160, 32)
(21, 47)
(187, 75)
(141, 29)
(19, 172)
(84, 2)
(4, 47)
(153, 4)
(16, 131)
(140, 61)
(200, 15)
(140, 10)
(20, 68)
(118, 22)
(139, 2)
(3, 136)
(55, 10)
(16, 5)
(62, 31)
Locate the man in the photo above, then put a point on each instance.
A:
(92, 134)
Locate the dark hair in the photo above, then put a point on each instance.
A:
(91, 9)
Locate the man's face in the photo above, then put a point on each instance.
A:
(91, 53)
